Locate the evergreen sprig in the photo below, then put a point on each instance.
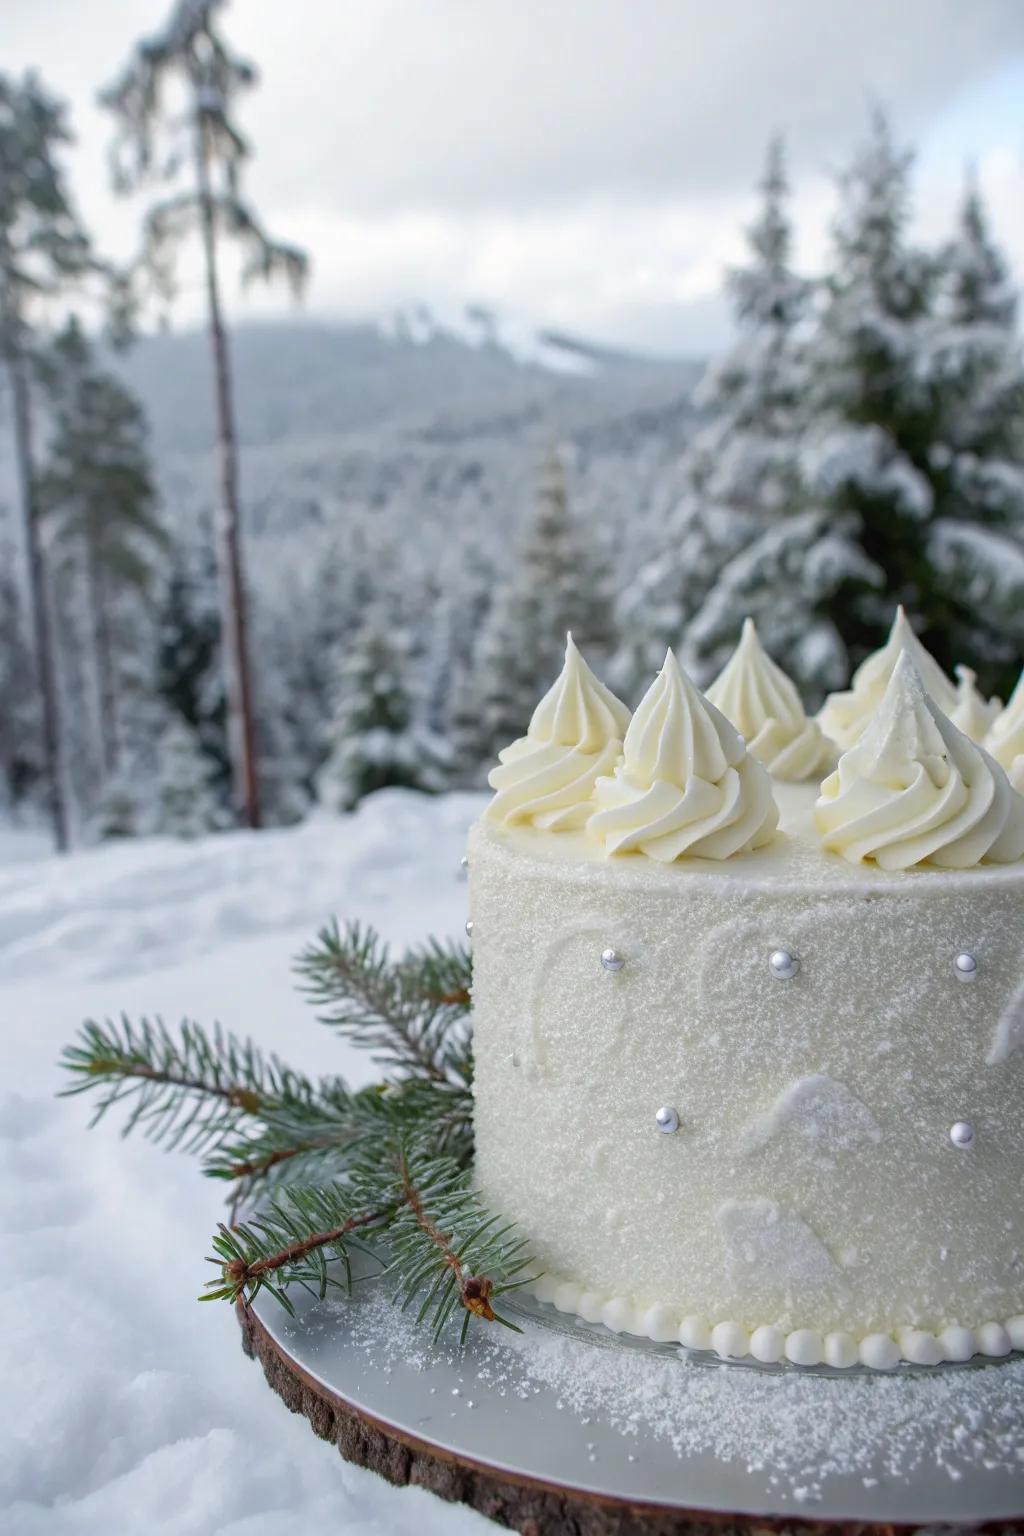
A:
(447, 1249)
(290, 1241)
(185, 1090)
(412, 1014)
(325, 1171)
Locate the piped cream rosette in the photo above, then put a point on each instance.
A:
(1005, 739)
(546, 778)
(974, 714)
(687, 785)
(845, 716)
(915, 790)
(757, 697)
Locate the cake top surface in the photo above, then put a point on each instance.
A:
(794, 858)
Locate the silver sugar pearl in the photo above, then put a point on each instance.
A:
(783, 965)
(612, 960)
(667, 1120)
(966, 967)
(469, 926)
(464, 861)
(962, 1135)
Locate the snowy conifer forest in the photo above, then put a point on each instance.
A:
(373, 587)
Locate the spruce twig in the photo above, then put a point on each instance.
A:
(411, 1013)
(447, 1248)
(185, 1090)
(292, 1239)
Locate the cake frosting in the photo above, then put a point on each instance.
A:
(686, 785)
(1005, 739)
(973, 714)
(915, 789)
(845, 716)
(547, 777)
(754, 693)
(738, 1095)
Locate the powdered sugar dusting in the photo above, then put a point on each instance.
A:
(789, 1431)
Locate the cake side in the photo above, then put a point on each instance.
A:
(812, 1182)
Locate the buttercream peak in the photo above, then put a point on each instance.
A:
(754, 693)
(915, 789)
(578, 710)
(846, 715)
(1005, 739)
(973, 714)
(686, 784)
(546, 777)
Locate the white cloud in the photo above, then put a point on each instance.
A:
(587, 165)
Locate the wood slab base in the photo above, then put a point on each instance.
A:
(520, 1504)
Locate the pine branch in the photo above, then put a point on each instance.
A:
(187, 1090)
(446, 1248)
(412, 1014)
(291, 1241)
(312, 1145)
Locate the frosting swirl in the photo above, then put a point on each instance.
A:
(757, 697)
(844, 716)
(686, 784)
(1005, 739)
(546, 778)
(973, 714)
(915, 789)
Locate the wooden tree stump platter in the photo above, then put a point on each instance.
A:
(401, 1424)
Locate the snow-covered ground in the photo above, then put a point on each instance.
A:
(126, 1406)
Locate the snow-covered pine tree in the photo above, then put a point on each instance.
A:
(378, 737)
(460, 616)
(44, 251)
(867, 459)
(96, 490)
(556, 583)
(189, 676)
(975, 369)
(745, 539)
(185, 800)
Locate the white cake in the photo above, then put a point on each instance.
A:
(739, 1083)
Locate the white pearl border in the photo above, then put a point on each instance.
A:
(771, 1344)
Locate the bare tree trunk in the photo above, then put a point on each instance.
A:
(234, 603)
(103, 650)
(38, 596)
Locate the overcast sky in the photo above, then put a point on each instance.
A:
(586, 164)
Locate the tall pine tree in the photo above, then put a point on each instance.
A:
(191, 52)
(97, 490)
(975, 369)
(43, 250)
(747, 540)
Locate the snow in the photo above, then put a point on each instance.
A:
(126, 1405)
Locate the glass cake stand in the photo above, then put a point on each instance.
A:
(571, 1407)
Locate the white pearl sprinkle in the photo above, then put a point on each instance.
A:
(962, 1135)
(666, 1119)
(966, 967)
(469, 927)
(612, 960)
(783, 965)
